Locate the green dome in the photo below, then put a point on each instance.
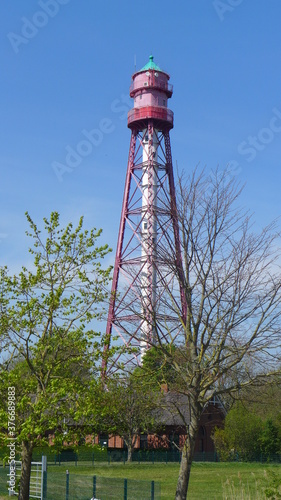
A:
(151, 65)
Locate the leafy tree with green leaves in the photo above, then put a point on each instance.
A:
(242, 431)
(126, 408)
(50, 349)
(264, 401)
(156, 367)
(245, 433)
(269, 439)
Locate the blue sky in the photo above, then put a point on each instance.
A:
(66, 67)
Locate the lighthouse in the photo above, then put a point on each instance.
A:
(144, 290)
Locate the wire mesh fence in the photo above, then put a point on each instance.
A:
(83, 456)
(87, 456)
(69, 487)
(120, 455)
(82, 487)
(4, 480)
(126, 489)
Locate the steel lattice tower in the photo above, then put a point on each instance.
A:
(143, 287)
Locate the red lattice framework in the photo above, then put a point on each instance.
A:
(146, 300)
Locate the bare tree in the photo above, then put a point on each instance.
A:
(228, 335)
(231, 335)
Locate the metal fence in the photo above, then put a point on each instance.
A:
(38, 479)
(3, 480)
(153, 456)
(81, 487)
(92, 456)
(120, 455)
(125, 489)
(234, 456)
(88, 456)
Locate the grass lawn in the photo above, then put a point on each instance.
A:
(209, 481)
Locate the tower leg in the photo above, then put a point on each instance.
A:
(120, 240)
(175, 219)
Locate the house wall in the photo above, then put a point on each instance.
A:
(212, 417)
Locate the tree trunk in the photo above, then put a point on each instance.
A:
(130, 453)
(130, 440)
(185, 468)
(188, 453)
(26, 454)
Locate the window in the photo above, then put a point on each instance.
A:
(201, 432)
(143, 442)
(103, 440)
(201, 439)
(174, 441)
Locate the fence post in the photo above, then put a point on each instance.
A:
(124, 459)
(152, 490)
(44, 497)
(94, 486)
(44, 478)
(125, 488)
(67, 486)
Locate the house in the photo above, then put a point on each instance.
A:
(174, 418)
